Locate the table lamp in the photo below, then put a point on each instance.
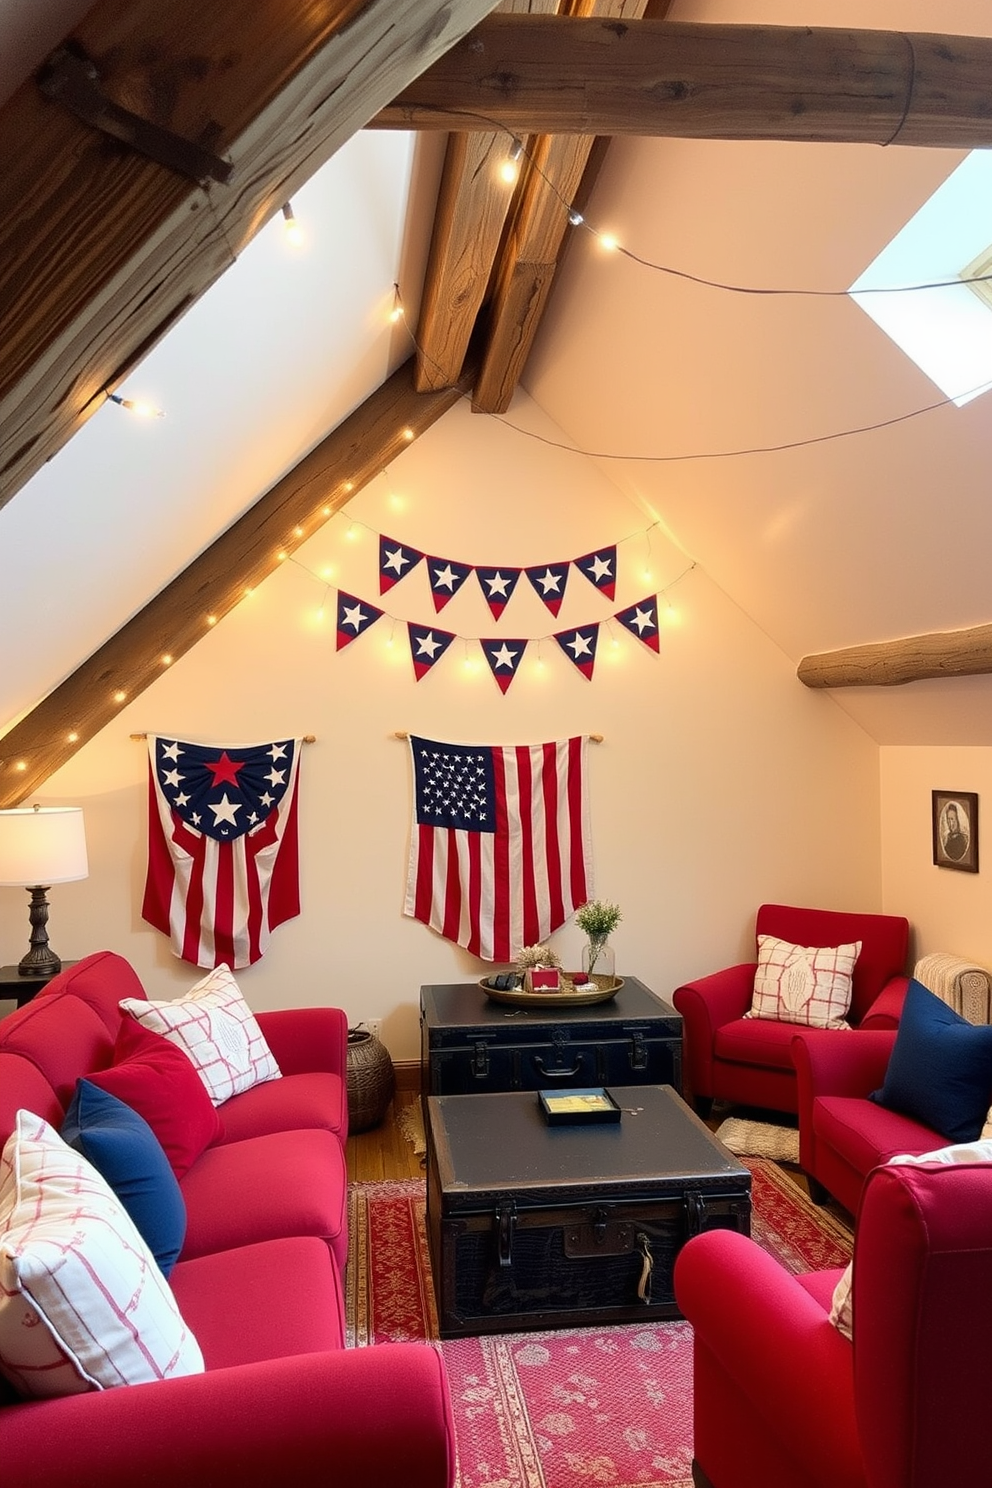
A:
(41, 846)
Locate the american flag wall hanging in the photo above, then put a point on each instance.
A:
(223, 849)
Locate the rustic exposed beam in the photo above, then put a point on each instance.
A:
(947, 653)
(472, 207)
(101, 249)
(680, 79)
(529, 258)
(355, 453)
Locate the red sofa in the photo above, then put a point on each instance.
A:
(842, 1134)
(783, 1400)
(259, 1282)
(749, 1060)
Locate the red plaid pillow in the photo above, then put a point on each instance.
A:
(803, 984)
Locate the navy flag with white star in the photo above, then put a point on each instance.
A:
(498, 585)
(600, 568)
(355, 616)
(446, 577)
(580, 646)
(549, 580)
(641, 619)
(427, 645)
(455, 786)
(395, 562)
(504, 658)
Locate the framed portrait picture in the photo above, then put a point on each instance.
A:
(955, 830)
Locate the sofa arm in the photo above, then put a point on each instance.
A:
(306, 1040)
(834, 1062)
(886, 1010)
(776, 1344)
(353, 1418)
(706, 1004)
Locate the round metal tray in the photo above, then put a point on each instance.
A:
(606, 987)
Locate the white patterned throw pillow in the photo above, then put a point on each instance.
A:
(810, 985)
(83, 1305)
(214, 1025)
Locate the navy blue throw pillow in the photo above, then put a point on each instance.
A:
(126, 1152)
(940, 1072)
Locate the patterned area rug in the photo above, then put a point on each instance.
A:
(576, 1408)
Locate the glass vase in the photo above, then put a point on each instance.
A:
(598, 961)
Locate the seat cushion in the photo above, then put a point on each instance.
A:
(317, 1100)
(267, 1188)
(756, 1041)
(864, 1134)
(262, 1301)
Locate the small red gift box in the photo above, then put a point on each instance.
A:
(539, 979)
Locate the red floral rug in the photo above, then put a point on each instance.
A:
(575, 1408)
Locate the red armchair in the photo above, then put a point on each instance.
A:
(783, 1400)
(749, 1060)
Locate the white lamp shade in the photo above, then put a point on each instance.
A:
(42, 845)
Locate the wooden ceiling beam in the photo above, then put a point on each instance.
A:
(472, 207)
(102, 248)
(182, 613)
(559, 75)
(946, 653)
(529, 258)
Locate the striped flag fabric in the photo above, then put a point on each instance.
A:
(223, 847)
(500, 846)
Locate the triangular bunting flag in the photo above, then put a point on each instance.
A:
(600, 568)
(427, 646)
(354, 617)
(498, 585)
(549, 579)
(395, 562)
(446, 577)
(641, 619)
(580, 646)
(504, 658)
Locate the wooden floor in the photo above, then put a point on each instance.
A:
(384, 1152)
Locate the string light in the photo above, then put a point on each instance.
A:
(167, 659)
(21, 765)
(294, 232)
(137, 406)
(120, 696)
(297, 531)
(510, 169)
(72, 738)
(575, 219)
(408, 434)
(608, 241)
(211, 619)
(396, 313)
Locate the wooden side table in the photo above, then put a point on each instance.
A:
(21, 989)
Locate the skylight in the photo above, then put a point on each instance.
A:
(946, 332)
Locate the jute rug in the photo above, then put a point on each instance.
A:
(576, 1408)
(748, 1138)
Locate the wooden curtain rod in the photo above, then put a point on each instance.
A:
(307, 738)
(404, 734)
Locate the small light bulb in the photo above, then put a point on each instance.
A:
(327, 573)
(297, 531)
(294, 232)
(21, 765)
(510, 169)
(609, 242)
(73, 738)
(281, 557)
(137, 406)
(575, 218)
(120, 695)
(167, 659)
(348, 486)
(211, 619)
(408, 434)
(326, 511)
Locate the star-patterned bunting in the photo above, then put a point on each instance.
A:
(498, 585)
(641, 619)
(395, 562)
(427, 646)
(600, 568)
(549, 579)
(504, 657)
(580, 646)
(354, 618)
(446, 577)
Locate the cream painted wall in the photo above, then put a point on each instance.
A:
(948, 910)
(722, 781)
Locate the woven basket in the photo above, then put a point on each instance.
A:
(371, 1080)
